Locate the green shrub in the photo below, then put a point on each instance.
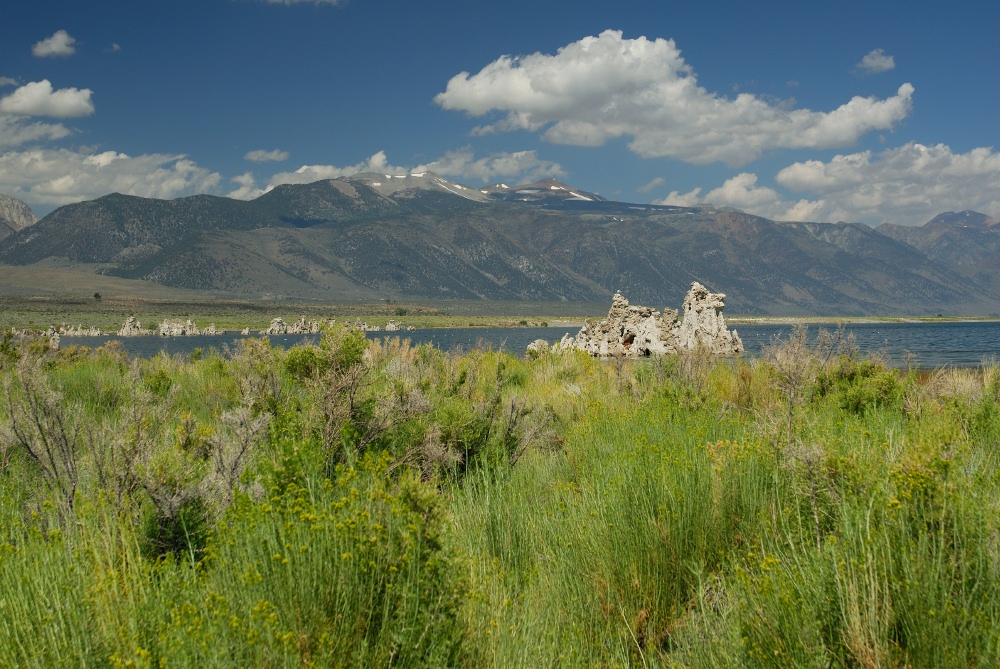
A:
(348, 346)
(307, 362)
(859, 386)
(351, 571)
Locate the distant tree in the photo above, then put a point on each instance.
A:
(400, 311)
(97, 296)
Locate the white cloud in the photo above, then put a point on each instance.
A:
(743, 192)
(604, 87)
(16, 130)
(43, 177)
(462, 164)
(654, 183)
(7, 81)
(876, 61)
(37, 98)
(248, 189)
(262, 156)
(676, 199)
(59, 44)
(907, 185)
(309, 173)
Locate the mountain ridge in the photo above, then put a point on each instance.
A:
(421, 236)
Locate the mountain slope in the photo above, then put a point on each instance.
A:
(967, 241)
(14, 215)
(421, 236)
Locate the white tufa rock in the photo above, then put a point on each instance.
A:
(704, 325)
(633, 331)
(538, 348)
(79, 331)
(132, 328)
(279, 327)
(176, 328)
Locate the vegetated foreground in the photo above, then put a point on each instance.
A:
(365, 504)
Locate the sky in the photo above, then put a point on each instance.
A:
(822, 111)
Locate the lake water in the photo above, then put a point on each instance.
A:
(959, 344)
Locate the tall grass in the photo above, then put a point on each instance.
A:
(356, 504)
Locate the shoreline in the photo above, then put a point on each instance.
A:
(403, 327)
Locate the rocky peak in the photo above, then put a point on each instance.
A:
(962, 219)
(15, 214)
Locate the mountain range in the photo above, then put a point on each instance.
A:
(421, 236)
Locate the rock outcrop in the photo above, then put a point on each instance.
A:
(704, 325)
(537, 348)
(634, 331)
(80, 331)
(176, 328)
(278, 326)
(14, 215)
(133, 328)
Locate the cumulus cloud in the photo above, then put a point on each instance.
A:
(743, 192)
(876, 61)
(378, 162)
(44, 177)
(248, 189)
(38, 98)
(677, 199)
(59, 44)
(463, 164)
(17, 130)
(262, 156)
(604, 87)
(7, 81)
(907, 185)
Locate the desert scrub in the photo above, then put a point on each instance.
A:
(595, 550)
(860, 385)
(348, 571)
(357, 503)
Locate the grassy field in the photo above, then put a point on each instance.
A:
(362, 504)
(50, 295)
(109, 312)
(35, 312)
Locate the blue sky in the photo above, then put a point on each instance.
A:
(857, 111)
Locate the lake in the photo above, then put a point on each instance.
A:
(938, 344)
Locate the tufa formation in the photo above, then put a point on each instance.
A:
(634, 331)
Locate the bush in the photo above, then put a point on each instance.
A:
(859, 386)
(351, 569)
(307, 362)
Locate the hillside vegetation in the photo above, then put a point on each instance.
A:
(358, 504)
(415, 238)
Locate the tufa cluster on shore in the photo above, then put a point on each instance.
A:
(634, 331)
